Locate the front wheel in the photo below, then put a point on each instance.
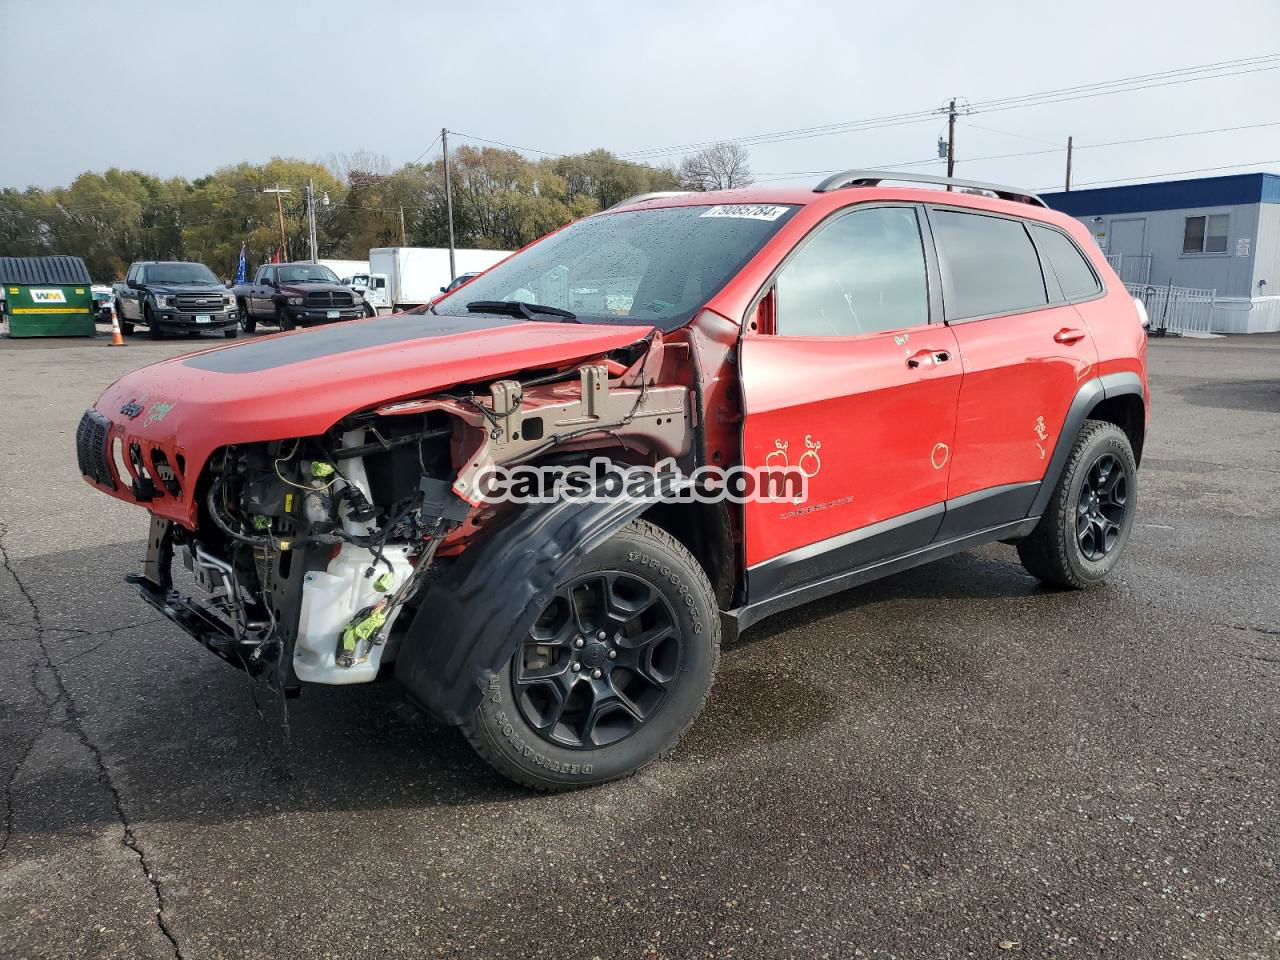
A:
(612, 673)
(153, 331)
(1083, 531)
(284, 319)
(248, 323)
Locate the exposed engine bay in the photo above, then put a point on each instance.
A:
(313, 553)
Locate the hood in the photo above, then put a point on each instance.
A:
(193, 288)
(301, 383)
(302, 289)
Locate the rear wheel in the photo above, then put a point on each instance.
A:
(1083, 532)
(247, 322)
(284, 319)
(612, 673)
(126, 328)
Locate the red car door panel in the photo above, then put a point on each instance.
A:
(872, 434)
(1019, 381)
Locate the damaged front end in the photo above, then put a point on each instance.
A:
(313, 554)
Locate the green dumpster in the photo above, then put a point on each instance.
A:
(46, 296)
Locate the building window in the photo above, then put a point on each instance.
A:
(1206, 234)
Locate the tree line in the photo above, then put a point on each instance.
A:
(501, 200)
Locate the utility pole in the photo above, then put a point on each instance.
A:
(284, 242)
(311, 216)
(448, 200)
(1068, 190)
(951, 138)
(404, 238)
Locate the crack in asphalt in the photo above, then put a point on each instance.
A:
(76, 720)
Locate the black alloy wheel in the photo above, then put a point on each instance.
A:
(1100, 508)
(597, 664)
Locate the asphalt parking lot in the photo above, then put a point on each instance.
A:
(953, 762)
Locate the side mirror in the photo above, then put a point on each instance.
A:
(345, 281)
(444, 289)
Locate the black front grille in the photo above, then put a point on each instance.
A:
(198, 302)
(91, 448)
(328, 299)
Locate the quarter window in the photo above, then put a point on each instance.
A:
(1067, 273)
(863, 273)
(1206, 234)
(992, 264)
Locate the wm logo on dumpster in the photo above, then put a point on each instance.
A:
(48, 296)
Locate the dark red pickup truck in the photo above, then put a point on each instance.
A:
(295, 294)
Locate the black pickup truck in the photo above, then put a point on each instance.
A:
(292, 294)
(174, 297)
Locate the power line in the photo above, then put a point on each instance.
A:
(1225, 68)
(783, 175)
(1170, 173)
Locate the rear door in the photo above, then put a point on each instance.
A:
(850, 381)
(1025, 351)
(260, 296)
(129, 299)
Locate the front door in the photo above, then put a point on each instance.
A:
(857, 388)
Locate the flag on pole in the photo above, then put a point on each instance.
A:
(275, 257)
(242, 268)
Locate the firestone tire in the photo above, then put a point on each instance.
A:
(1086, 526)
(663, 579)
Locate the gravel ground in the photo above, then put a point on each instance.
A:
(952, 762)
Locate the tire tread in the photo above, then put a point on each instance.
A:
(477, 734)
(1044, 552)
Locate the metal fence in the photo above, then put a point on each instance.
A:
(1131, 267)
(1185, 310)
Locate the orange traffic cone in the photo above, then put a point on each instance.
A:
(117, 339)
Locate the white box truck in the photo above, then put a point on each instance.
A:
(416, 275)
(346, 269)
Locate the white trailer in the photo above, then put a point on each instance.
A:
(346, 269)
(417, 275)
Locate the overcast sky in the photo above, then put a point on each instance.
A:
(183, 87)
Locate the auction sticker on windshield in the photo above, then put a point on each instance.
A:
(747, 211)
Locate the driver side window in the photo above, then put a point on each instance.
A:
(862, 273)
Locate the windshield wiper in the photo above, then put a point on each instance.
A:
(519, 308)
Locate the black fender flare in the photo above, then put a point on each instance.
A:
(1089, 395)
(464, 630)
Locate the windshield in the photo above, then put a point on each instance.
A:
(657, 266)
(307, 273)
(180, 273)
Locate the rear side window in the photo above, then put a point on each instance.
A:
(992, 264)
(862, 273)
(1067, 273)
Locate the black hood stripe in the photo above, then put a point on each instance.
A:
(259, 355)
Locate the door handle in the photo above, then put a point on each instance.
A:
(1068, 335)
(924, 358)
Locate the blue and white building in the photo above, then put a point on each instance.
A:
(1218, 236)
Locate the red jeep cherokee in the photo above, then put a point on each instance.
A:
(947, 365)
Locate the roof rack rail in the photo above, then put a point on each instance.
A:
(656, 195)
(871, 178)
